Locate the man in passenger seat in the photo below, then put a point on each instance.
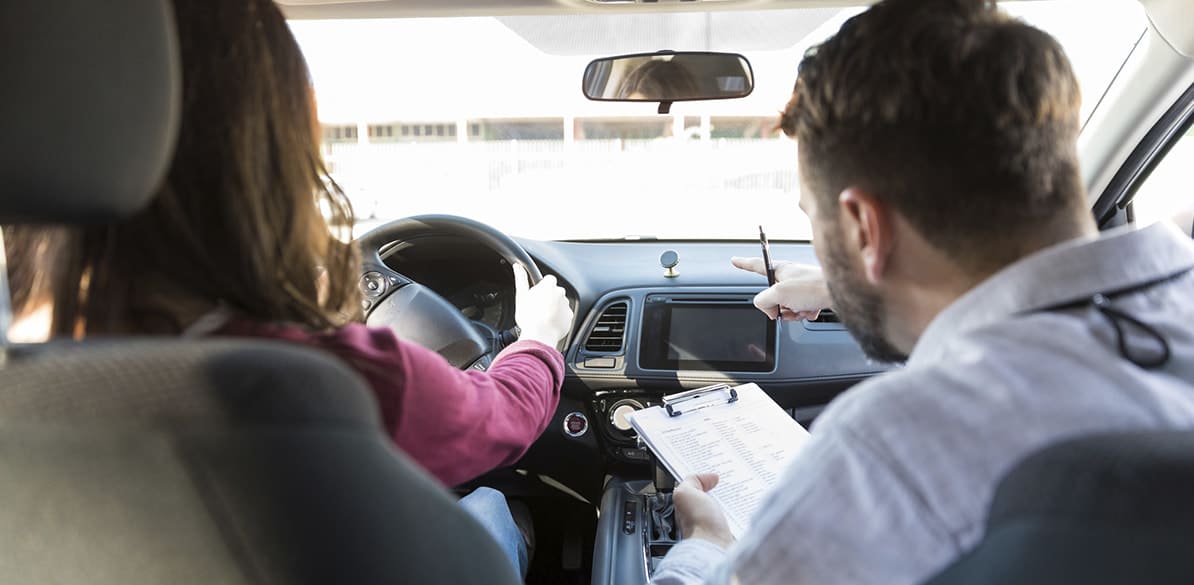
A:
(937, 152)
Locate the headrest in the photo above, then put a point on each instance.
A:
(181, 383)
(1139, 478)
(89, 107)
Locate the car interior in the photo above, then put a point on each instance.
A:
(183, 461)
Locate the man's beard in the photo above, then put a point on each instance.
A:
(859, 306)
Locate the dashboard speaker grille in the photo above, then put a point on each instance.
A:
(610, 329)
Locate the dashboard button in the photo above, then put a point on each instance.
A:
(373, 284)
(629, 515)
(601, 362)
(575, 424)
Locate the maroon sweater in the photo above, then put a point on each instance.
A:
(456, 424)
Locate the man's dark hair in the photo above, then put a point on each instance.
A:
(960, 117)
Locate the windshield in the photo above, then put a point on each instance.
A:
(484, 117)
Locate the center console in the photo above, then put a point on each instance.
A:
(634, 532)
(640, 344)
(664, 341)
(699, 333)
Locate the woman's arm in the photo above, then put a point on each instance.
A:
(456, 424)
(461, 424)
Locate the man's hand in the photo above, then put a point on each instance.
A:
(696, 512)
(799, 293)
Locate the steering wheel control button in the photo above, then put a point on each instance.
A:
(669, 261)
(373, 284)
(601, 362)
(619, 414)
(482, 364)
(575, 424)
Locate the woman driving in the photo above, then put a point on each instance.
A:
(248, 236)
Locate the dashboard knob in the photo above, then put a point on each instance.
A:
(619, 414)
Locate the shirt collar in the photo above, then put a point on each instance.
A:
(1067, 272)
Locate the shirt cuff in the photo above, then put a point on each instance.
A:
(690, 561)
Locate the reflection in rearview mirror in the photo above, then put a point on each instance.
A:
(669, 77)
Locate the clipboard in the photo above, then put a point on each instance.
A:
(699, 398)
(738, 432)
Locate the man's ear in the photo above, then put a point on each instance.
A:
(868, 226)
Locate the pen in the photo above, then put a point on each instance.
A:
(770, 269)
(767, 257)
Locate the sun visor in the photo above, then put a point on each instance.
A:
(1174, 21)
(737, 31)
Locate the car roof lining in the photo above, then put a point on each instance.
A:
(335, 9)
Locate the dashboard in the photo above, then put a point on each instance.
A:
(641, 333)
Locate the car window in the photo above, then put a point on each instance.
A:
(1168, 192)
(484, 117)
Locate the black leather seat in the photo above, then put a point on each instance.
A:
(1114, 509)
(137, 461)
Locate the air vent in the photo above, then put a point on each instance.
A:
(608, 332)
(827, 316)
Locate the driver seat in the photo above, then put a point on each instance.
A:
(159, 460)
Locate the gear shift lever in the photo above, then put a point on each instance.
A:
(664, 482)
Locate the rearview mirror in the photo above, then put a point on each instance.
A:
(668, 77)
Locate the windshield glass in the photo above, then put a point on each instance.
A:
(484, 117)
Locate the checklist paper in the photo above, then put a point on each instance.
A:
(747, 443)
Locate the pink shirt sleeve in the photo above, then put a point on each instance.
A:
(457, 424)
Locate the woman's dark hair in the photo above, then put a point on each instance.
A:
(247, 216)
(28, 250)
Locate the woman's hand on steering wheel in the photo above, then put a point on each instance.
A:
(541, 311)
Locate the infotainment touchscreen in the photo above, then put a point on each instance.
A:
(706, 334)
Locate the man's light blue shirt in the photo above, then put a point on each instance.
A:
(897, 477)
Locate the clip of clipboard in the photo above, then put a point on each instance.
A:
(689, 396)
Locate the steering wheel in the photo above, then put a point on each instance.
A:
(417, 313)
